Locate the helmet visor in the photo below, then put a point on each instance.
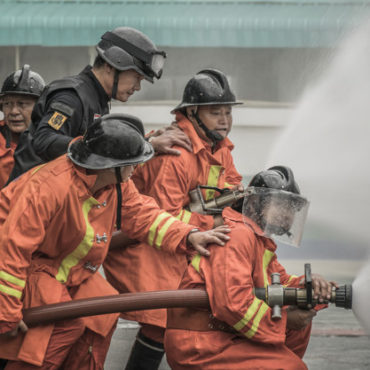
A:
(281, 215)
(152, 64)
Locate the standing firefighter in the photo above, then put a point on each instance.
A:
(68, 106)
(205, 117)
(18, 95)
(238, 332)
(56, 224)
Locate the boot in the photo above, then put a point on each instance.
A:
(3, 363)
(146, 354)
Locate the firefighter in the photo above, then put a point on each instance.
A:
(18, 95)
(205, 116)
(125, 57)
(238, 331)
(56, 224)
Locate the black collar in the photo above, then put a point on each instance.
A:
(103, 96)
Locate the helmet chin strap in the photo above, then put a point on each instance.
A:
(213, 135)
(117, 171)
(115, 83)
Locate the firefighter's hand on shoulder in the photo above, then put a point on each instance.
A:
(198, 240)
(321, 288)
(298, 319)
(164, 139)
(21, 326)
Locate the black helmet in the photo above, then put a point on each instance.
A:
(277, 177)
(113, 140)
(207, 87)
(23, 82)
(274, 203)
(127, 48)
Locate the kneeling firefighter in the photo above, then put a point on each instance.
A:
(240, 331)
(205, 116)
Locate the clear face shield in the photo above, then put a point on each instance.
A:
(280, 215)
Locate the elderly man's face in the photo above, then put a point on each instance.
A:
(17, 111)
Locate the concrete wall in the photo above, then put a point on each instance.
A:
(256, 127)
(277, 75)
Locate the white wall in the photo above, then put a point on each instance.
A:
(255, 128)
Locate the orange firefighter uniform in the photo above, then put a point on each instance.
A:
(238, 332)
(52, 242)
(7, 148)
(168, 179)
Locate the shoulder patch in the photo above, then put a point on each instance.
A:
(56, 120)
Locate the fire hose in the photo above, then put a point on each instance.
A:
(275, 295)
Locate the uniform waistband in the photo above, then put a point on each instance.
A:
(196, 320)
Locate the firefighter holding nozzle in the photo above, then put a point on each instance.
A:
(240, 331)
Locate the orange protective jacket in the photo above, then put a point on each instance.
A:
(54, 233)
(229, 276)
(168, 179)
(7, 148)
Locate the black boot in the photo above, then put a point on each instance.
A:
(3, 363)
(146, 354)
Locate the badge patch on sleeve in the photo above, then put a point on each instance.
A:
(56, 120)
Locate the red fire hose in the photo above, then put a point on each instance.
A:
(115, 303)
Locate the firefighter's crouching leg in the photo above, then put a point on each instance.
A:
(63, 338)
(147, 353)
(89, 352)
(297, 340)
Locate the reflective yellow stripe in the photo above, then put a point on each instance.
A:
(162, 232)
(12, 279)
(10, 291)
(266, 260)
(184, 216)
(252, 331)
(195, 262)
(249, 314)
(83, 248)
(153, 228)
(37, 168)
(291, 277)
(179, 216)
(214, 174)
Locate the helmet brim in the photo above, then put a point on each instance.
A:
(25, 93)
(185, 105)
(128, 65)
(97, 162)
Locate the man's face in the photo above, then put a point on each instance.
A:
(215, 117)
(17, 111)
(279, 214)
(128, 82)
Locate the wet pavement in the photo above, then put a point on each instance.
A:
(337, 342)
